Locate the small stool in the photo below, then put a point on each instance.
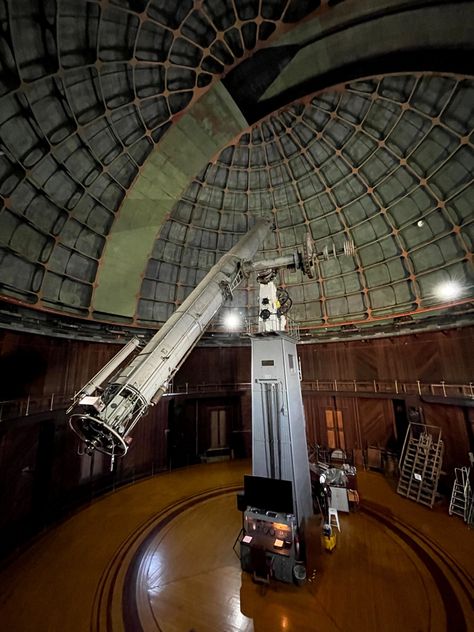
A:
(333, 514)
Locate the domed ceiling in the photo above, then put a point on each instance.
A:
(385, 163)
(139, 140)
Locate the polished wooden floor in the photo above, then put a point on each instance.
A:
(158, 556)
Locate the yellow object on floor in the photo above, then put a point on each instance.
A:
(328, 542)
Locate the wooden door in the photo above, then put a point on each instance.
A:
(335, 429)
(218, 428)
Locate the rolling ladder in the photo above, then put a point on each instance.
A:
(422, 457)
(461, 503)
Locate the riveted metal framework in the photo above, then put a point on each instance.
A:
(387, 162)
(87, 89)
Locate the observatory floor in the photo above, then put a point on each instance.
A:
(157, 556)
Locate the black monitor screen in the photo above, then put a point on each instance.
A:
(269, 494)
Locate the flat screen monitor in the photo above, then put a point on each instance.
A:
(269, 494)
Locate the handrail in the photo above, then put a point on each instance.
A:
(205, 387)
(33, 404)
(443, 389)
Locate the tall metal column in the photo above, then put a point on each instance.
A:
(278, 422)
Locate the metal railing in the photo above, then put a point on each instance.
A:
(441, 389)
(190, 389)
(34, 404)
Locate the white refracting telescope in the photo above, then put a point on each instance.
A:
(104, 416)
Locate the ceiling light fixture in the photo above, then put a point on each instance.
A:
(420, 223)
(448, 290)
(232, 321)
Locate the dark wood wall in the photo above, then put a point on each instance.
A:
(37, 365)
(429, 357)
(31, 364)
(216, 365)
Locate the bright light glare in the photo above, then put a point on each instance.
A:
(232, 321)
(448, 291)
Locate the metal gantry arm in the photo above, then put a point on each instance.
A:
(274, 301)
(104, 419)
(303, 258)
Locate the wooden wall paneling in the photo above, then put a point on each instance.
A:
(79, 362)
(409, 357)
(204, 414)
(456, 355)
(319, 419)
(387, 361)
(429, 357)
(316, 406)
(376, 420)
(37, 365)
(346, 366)
(235, 436)
(333, 359)
(18, 454)
(200, 411)
(58, 368)
(216, 365)
(425, 357)
(469, 415)
(182, 432)
(84, 360)
(310, 359)
(311, 414)
(325, 404)
(452, 421)
(307, 361)
(243, 439)
(46, 365)
(343, 362)
(20, 367)
(78, 477)
(349, 409)
(366, 360)
(398, 361)
(65, 470)
(244, 366)
(64, 361)
(238, 361)
(160, 426)
(148, 448)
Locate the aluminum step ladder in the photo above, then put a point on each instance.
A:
(461, 496)
(421, 461)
